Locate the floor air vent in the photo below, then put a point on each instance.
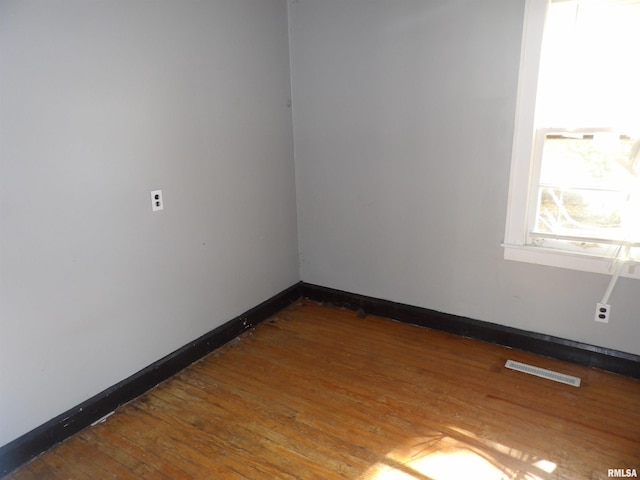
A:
(541, 372)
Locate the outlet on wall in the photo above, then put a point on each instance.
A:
(603, 311)
(156, 201)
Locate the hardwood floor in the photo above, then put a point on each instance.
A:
(318, 393)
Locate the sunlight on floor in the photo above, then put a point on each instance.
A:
(454, 454)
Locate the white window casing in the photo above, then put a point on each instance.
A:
(520, 243)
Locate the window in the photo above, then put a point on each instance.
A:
(574, 197)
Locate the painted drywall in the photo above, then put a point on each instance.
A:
(102, 102)
(403, 123)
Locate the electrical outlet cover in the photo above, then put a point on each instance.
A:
(603, 311)
(156, 201)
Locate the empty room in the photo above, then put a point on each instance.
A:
(317, 239)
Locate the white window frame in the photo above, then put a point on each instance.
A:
(517, 245)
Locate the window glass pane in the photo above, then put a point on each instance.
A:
(594, 160)
(589, 185)
(589, 73)
(580, 212)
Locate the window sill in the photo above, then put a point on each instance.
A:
(573, 261)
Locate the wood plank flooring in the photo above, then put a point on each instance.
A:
(318, 393)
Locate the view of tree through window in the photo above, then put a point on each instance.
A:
(587, 185)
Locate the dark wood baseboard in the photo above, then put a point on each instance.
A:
(22, 449)
(561, 349)
(31, 444)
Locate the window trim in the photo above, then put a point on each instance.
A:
(516, 246)
(523, 137)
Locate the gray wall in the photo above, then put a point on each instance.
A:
(403, 117)
(403, 122)
(101, 102)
